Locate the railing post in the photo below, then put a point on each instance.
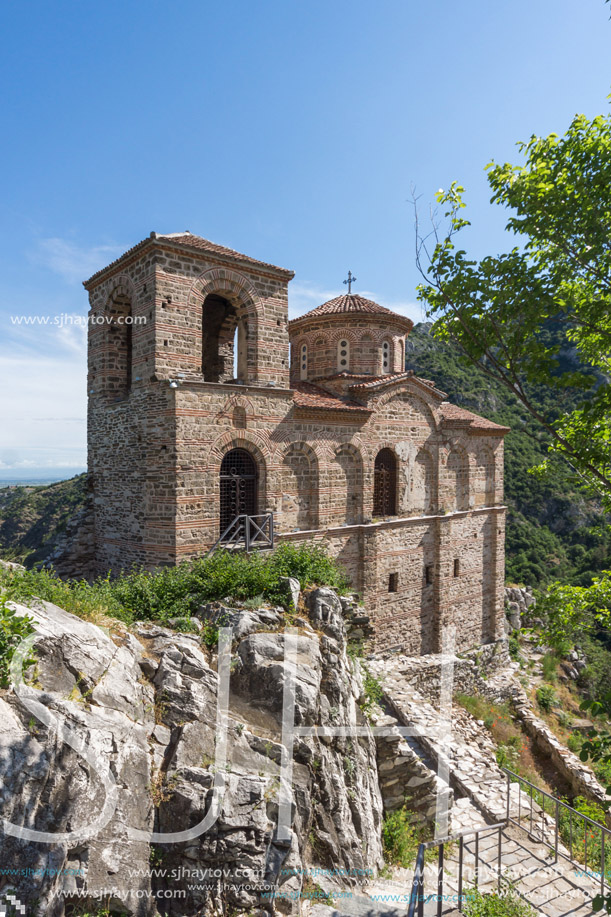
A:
(440, 881)
(247, 532)
(508, 795)
(602, 861)
(476, 875)
(557, 830)
(421, 890)
(271, 529)
(499, 860)
(460, 861)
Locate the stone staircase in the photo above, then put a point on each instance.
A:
(464, 754)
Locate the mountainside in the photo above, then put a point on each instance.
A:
(33, 518)
(555, 529)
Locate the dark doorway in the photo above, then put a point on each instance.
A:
(238, 486)
(385, 484)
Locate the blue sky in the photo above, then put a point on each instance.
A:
(290, 131)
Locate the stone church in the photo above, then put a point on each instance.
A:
(206, 404)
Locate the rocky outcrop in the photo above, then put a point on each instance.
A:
(519, 607)
(125, 779)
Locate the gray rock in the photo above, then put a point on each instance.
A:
(325, 612)
(292, 588)
(160, 740)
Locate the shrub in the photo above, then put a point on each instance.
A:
(574, 742)
(177, 592)
(508, 755)
(399, 838)
(13, 630)
(372, 693)
(546, 697)
(513, 645)
(576, 831)
(549, 665)
(505, 903)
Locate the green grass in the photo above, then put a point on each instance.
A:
(400, 838)
(549, 664)
(505, 903)
(372, 693)
(570, 825)
(13, 629)
(177, 592)
(546, 697)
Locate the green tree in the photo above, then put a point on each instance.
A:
(519, 315)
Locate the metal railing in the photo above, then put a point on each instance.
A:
(251, 531)
(418, 893)
(580, 828)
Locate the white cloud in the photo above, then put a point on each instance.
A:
(73, 262)
(43, 408)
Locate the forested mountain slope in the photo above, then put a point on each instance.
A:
(555, 529)
(33, 517)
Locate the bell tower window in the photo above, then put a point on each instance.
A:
(343, 356)
(303, 364)
(219, 324)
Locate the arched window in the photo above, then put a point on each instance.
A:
(238, 486)
(303, 362)
(402, 356)
(343, 355)
(386, 357)
(385, 484)
(220, 340)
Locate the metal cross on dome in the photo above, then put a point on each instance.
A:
(350, 280)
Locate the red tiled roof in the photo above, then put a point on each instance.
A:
(307, 395)
(188, 240)
(452, 414)
(351, 303)
(373, 382)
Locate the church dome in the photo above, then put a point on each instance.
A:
(348, 335)
(352, 304)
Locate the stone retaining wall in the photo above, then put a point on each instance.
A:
(404, 778)
(471, 671)
(578, 775)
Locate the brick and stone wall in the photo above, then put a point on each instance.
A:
(159, 430)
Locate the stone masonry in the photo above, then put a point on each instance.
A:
(206, 402)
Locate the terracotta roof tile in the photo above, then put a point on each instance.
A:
(351, 303)
(451, 413)
(373, 382)
(189, 241)
(307, 395)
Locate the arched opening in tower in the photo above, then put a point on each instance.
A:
(224, 337)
